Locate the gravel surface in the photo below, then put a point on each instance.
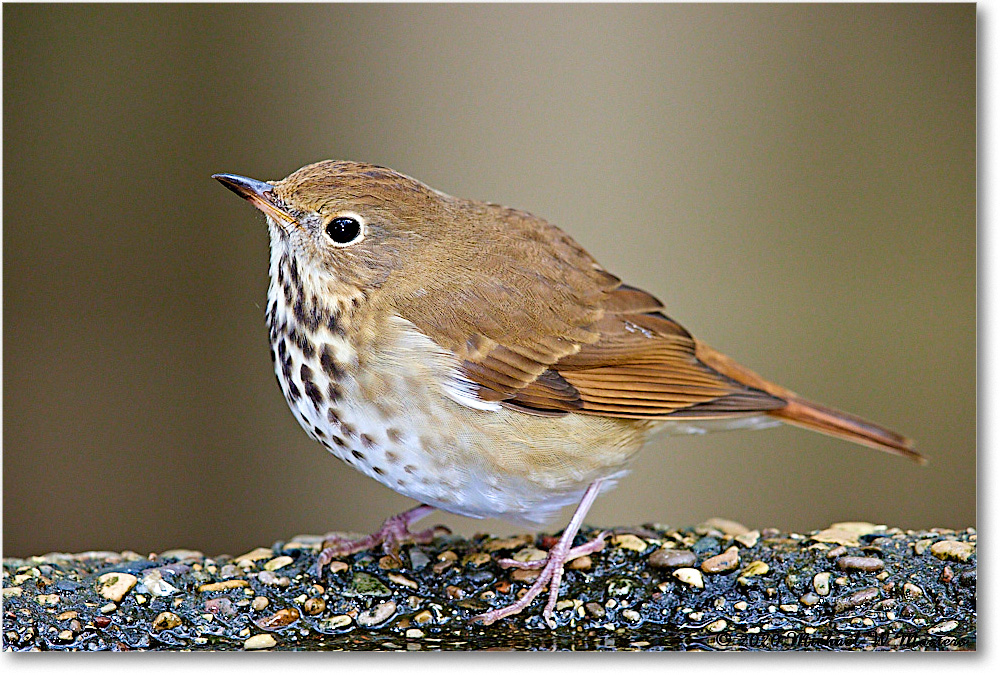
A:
(716, 586)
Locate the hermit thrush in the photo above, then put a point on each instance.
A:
(475, 358)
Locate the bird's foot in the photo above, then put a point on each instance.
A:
(552, 570)
(395, 532)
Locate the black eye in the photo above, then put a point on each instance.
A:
(343, 230)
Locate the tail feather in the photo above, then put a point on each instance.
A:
(803, 413)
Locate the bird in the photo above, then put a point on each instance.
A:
(475, 358)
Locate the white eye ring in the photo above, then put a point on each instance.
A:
(345, 229)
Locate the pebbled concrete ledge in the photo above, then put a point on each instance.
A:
(716, 586)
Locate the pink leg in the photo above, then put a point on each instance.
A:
(552, 566)
(394, 532)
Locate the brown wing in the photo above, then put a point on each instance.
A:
(644, 366)
(540, 327)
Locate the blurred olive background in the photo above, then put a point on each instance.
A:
(796, 183)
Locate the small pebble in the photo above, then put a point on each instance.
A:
(67, 636)
(401, 580)
(525, 575)
(338, 566)
(156, 585)
(387, 562)
(748, 539)
(277, 563)
(109, 608)
(717, 626)
(809, 599)
(724, 562)
(259, 603)
(414, 633)
(629, 542)
(418, 559)
(944, 627)
(222, 606)
(853, 563)
(47, 600)
(856, 599)
(225, 585)
(584, 562)
(260, 641)
(114, 585)
(594, 609)
(821, 583)
(727, 527)
(477, 559)
(166, 621)
(755, 568)
(912, 591)
(690, 576)
(740, 606)
(377, 615)
(847, 534)
(631, 615)
(669, 557)
(66, 616)
(279, 619)
(335, 622)
(314, 606)
(948, 549)
(248, 559)
(530, 555)
(423, 616)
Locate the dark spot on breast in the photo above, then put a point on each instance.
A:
(333, 391)
(378, 470)
(367, 441)
(300, 340)
(282, 349)
(329, 364)
(357, 454)
(391, 457)
(348, 429)
(331, 415)
(281, 274)
(333, 324)
(288, 292)
(318, 432)
(409, 468)
(400, 482)
(394, 435)
(293, 391)
(314, 394)
(274, 357)
(293, 270)
(299, 309)
(305, 373)
(339, 441)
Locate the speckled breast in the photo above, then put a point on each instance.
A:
(382, 408)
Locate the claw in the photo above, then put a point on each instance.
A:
(552, 566)
(394, 532)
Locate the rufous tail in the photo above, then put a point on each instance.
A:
(809, 415)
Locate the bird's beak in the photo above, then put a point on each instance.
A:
(258, 193)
